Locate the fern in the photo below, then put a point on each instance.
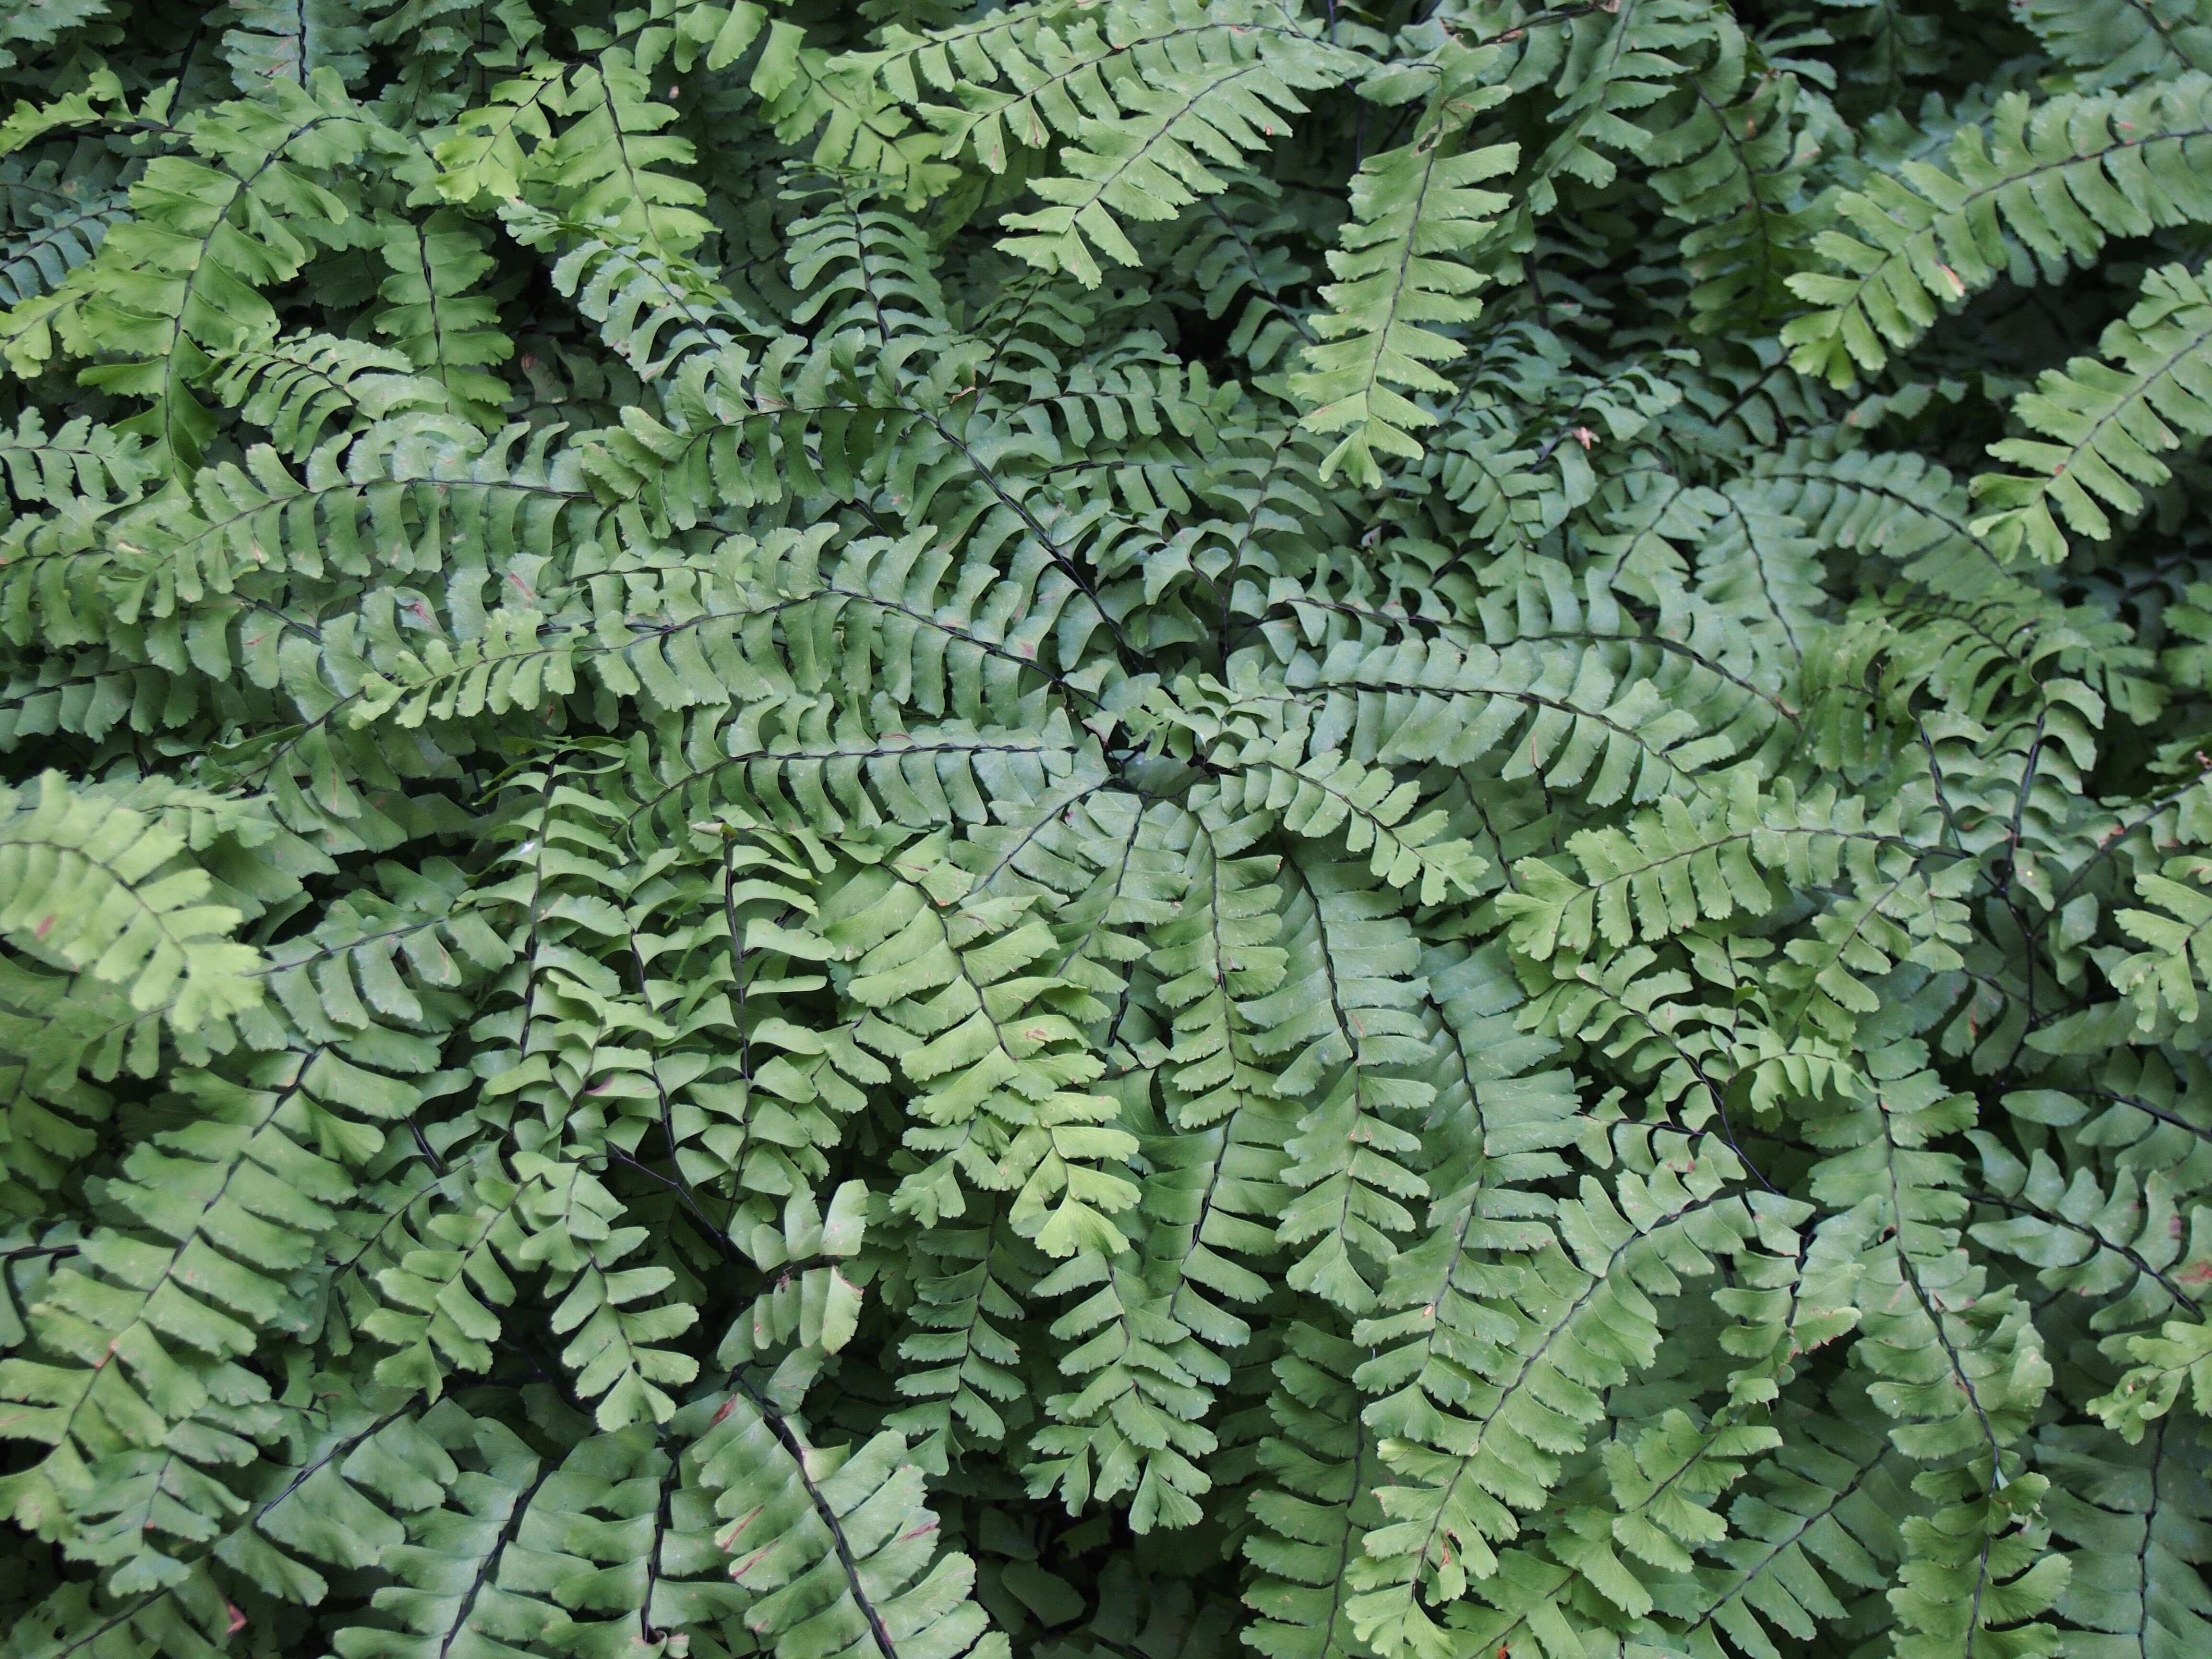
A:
(294, 388)
(59, 218)
(1146, 159)
(2116, 44)
(186, 274)
(290, 40)
(445, 332)
(2109, 422)
(2053, 182)
(102, 886)
(1412, 208)
(1106, 827)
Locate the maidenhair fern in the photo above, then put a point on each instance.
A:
(915, 830)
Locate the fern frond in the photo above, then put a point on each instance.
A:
(2117, 42)
(295, 386)
(144, 1335)
(78, 461)
(1147, 160)
(847, 1552)
(960, 1364)
(446, 332)
(1417, 212)
(1107, 826)
(55, 231)
(1145, 1379)
(2052, 180)
(102, 885)
(2165, 977)
(182, 279)
(611, 161)
(1817, 1531)
(290, 40)
(1732, 163)
(1003, 1104)
(1961, 1405)
(1353, 1043)
(1322, 1469)
(32, 23)
(1572, 1317)
(2106, 424)
(2130, 1514)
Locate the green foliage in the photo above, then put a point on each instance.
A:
(1105, 828)
(1409, 207)
(2110, 421)
(2033, 187)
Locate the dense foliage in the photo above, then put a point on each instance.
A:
(896, 830)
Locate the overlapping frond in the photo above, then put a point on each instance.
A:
(1417, 212)
(2103, 425)
(2026, 191)
(183, 278)
(1112, 827)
